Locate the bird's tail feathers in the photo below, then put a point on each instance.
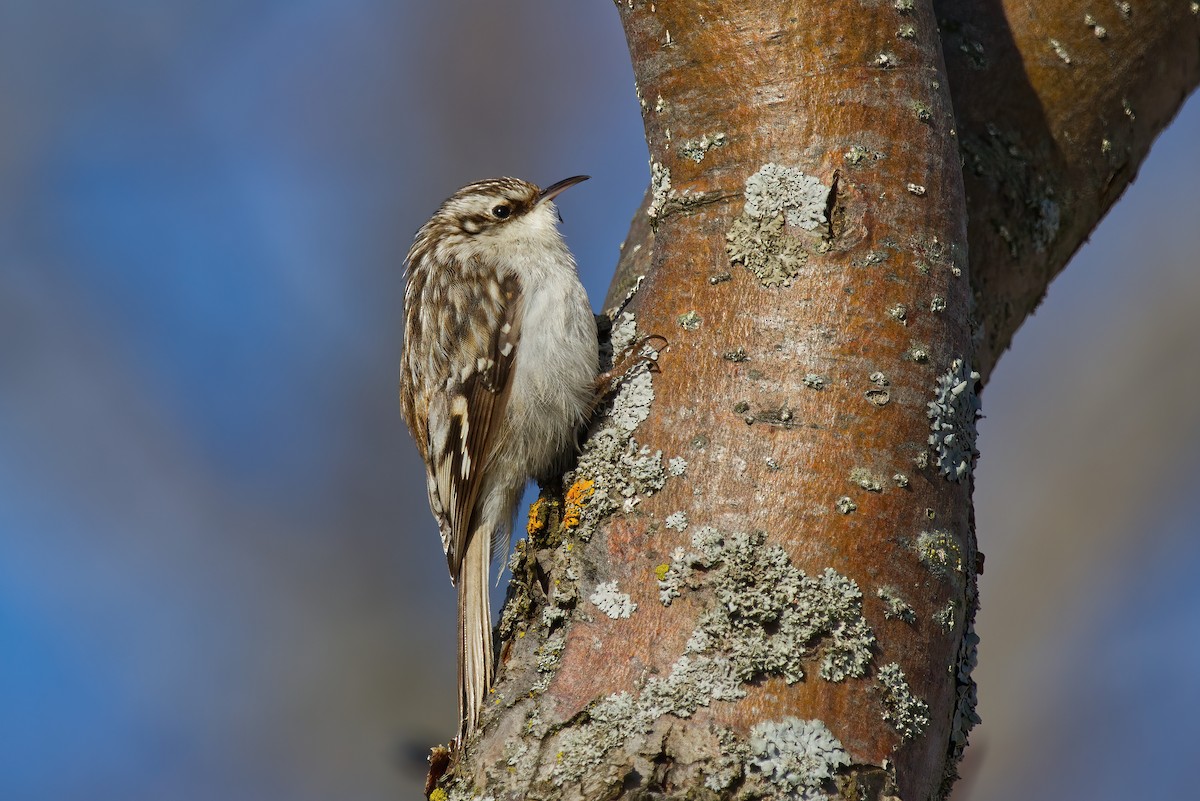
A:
(474, 633)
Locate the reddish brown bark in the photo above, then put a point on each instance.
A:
(788, 88)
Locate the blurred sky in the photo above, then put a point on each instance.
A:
(218, 573)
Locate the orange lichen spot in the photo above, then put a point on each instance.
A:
(537, 517)
(577, 496)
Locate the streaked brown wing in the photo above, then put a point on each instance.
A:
(476, 400)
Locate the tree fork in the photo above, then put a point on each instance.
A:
(760, 578)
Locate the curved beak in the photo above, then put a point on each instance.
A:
(553, 190)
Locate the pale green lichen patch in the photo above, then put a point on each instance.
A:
(689, 321)
(677, 520)
(729, 764)
(944, 617)
(581, 748)
(849, 652)
(615, 719)
(622, 471)
(547, 659)
(845, 505)
(866, 479)
(857, 155)
(609, 599)
(1060, 51)
(665, 200)
(660, 190)
(558, 598)
(939, 551)
(778, 199)
(775, 189)
(458, 793)
(517, 753)
(624, 329)
(952, 417)
(795, 758)
(894, 606)
(769, 616)
(696, 149)
(908, 714)
(763, 248)
(561, 598)
(671, 577)
(694, 681)
(1098, 30)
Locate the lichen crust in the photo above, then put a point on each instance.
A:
(907, 714)
(796, 757)
(953, 413)
(777, 198)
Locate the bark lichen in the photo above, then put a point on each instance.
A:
(778, 200)
(953, 413)
(908, 714)
(796, 757)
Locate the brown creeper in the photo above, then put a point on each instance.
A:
(499, 361)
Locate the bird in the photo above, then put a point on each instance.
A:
(498, 370)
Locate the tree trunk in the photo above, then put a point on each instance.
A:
(759, 580)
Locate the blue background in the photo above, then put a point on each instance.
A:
(218, 573)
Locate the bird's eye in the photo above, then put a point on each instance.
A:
(502, 211)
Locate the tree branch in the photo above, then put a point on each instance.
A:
(1056, 110)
